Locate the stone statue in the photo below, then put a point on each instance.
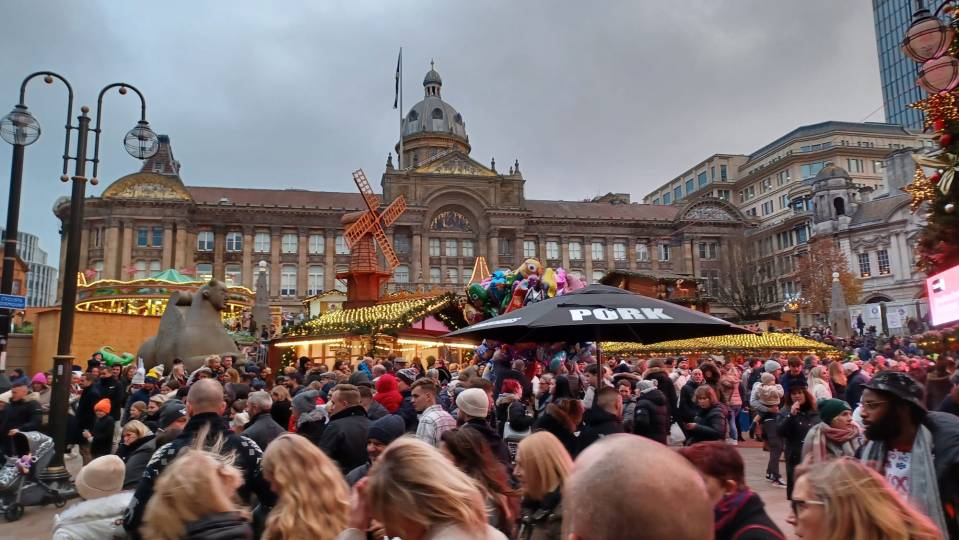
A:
(190, 329)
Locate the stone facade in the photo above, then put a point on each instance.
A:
(457, 209)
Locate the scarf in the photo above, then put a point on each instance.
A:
(727, 507)
(823, 437)
(923, 485)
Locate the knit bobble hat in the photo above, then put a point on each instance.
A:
(830, 408)
(646, 385)
(101, 477)
(102, 406)
(39, 378)
(473, 402)
(771, 366)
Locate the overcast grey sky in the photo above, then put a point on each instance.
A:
(590, 96)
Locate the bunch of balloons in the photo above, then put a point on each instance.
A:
(508, 290)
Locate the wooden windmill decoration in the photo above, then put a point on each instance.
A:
(365, 277)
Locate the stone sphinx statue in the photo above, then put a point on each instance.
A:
(191, 329)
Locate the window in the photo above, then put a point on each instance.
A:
(575, 251)
(664, 252)
(97, 232)
(677, 193)
(233, 275)
(619, 251)
(341, 247)
(288, 244)
(598, 252)
(883, 257)
(810, 170)
(453, 275)
(315, 279)
(140, 269)
(234, 241)
(802, 234)
(401, 274)
(642, 252)
(435, 275)
(854, 165)
(401, 241)
(316, 245)
(256, 276)
(288, 280)
(434, 247)
(724, 194)
(340, 284)
(702, 179)
(864, 269)
(529, 248)
(722, 173)
(506, 247)
(690, 186)
(204, 241)
(157, 236)
(768, 208)
(552, 249)
(766, 185)
(878, 166)
(261, 242)
(143, 237)
(154, 267)
(204, 272)
(97, 270)
(467, 248)
(712, 173)
(452, 248)
(598, 275)
(708, 250)
(666, 198)
(782, 177)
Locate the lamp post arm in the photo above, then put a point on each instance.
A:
(48, 77)
(96, 128)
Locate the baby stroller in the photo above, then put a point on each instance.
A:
(21, 482)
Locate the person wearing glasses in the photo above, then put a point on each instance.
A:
(915, 450)
(843, 499)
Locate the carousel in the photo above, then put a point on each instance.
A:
(148, 296)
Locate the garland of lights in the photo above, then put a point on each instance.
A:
(745, 342)
(379, 318)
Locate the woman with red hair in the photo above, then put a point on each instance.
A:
(388, 393)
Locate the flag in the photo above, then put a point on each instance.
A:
(399, 70)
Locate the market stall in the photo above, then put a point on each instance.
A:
(726, 344)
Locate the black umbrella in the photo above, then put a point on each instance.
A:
(599, 313)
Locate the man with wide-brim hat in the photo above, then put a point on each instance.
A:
(916, 450)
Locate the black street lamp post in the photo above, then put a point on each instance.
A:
(140, 142)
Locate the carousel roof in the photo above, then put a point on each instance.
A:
(392, 313)
(770, 341)
(171, 274)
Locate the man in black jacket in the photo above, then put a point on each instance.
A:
(344, 439)
(109, 387)
(651, 417)
(604, 418)
(89, 396)
(472, 407)
(404, 380)
(262, 428)
(205, 406)
(21, 414)
(657, 372)
(687, 400)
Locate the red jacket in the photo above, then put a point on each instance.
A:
(387, 393)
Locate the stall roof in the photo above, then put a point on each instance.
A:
(770, 341)
(390, 314)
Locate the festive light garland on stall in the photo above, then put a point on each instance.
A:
(378, 317)
(732, 343)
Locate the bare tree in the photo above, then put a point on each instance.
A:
(742, 286)
(815, 275)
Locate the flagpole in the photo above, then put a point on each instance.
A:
(400, 157)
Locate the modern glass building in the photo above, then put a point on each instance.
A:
(898, 71)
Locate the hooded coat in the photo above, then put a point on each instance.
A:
(344, 438)
(387, 393)
(665, 385)
(93, 519)
(138, 455)
(651, 419)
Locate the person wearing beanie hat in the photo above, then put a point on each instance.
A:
(473, 406)
(651, 419)
(171, 420)
(835, 436)
(101, 437)
(381, 433)
(772, 366)
(99, 483)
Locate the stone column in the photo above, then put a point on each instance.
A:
(541, 249)
(425, 257)
(687, 260)
(219, 246)
(126, 250)
(610, 259)
(111, 247)
(416, 258)
(275, 237)
(167, 260)
(181, 245)
(247, 261)
(588, 259)
(631, 252)
(654, 253)
(329, 260)
(564, 252)
(302, 270)
(190, 260)
(903, 266)
(493, 258)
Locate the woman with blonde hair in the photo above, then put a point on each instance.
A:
(194, 498)
(296, 468)
(819, 383)
(138, 447)
(542, 465)
(406, 493)
(837, 378)
(845, 500)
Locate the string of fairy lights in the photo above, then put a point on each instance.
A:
(379, 317)
(781, 342)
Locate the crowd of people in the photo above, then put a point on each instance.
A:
(532, 444)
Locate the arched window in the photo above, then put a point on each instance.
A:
(437, 114)
(451, 221)
(458, 118)
(413, 116)
(840, 205)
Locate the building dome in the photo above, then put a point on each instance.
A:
(432, 77)
(831, 171)
(432, 114)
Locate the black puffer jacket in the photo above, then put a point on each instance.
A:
(793, 429)
(652, 416)
(710, 425)
(137, 456)
(665, 385)
(496, 445)
(223, 526)
(344, 438)
(687, 402)
(599, 423)
(548, 421)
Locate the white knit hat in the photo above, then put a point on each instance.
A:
(473, 402)
(101, 477)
